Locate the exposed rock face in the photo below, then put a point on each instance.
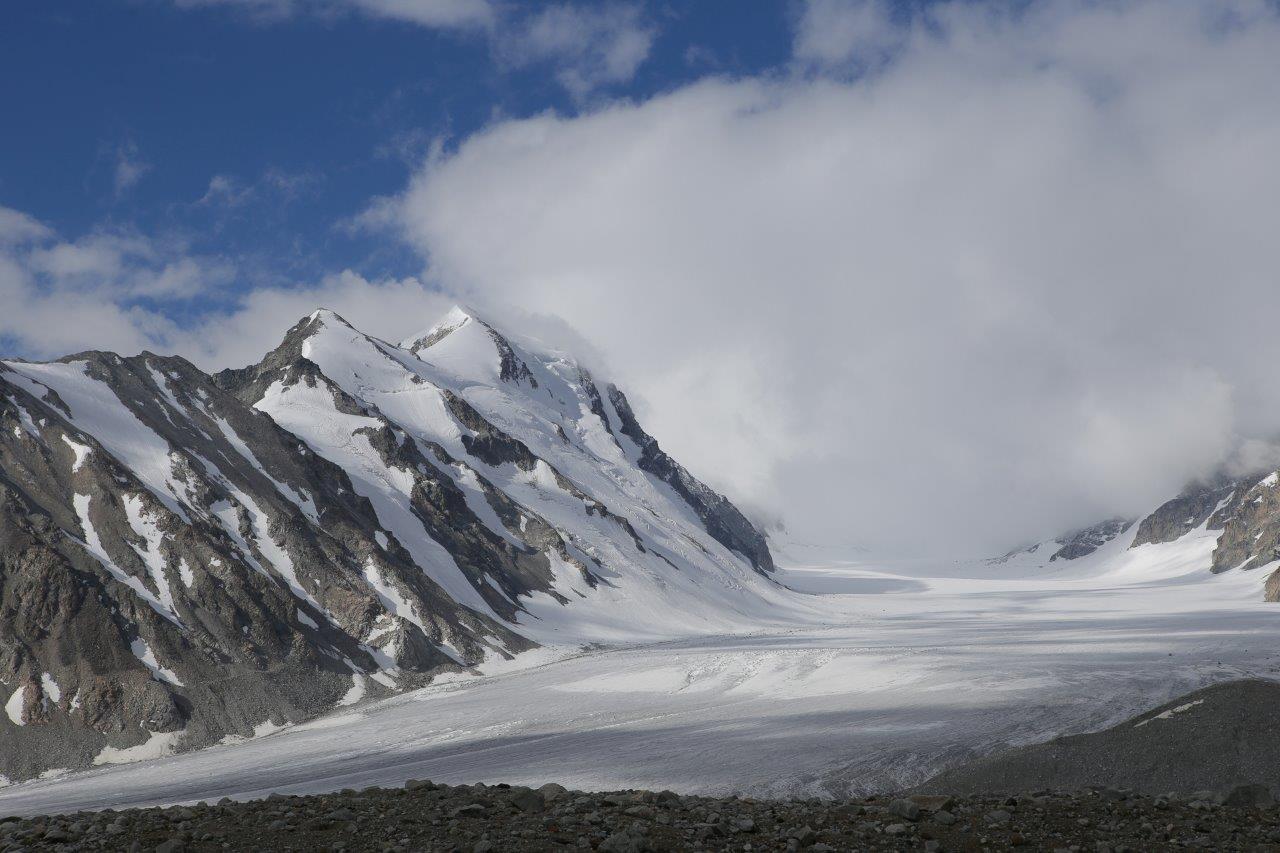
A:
(185, 558)
(1247, 512)
(1241, 512)
(1082, 543)
(1183, 514)
(723, 520)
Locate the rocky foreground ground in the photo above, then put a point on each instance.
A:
(427, 816)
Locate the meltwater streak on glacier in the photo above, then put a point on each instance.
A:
(899, 671)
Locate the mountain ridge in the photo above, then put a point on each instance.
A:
(191, 557)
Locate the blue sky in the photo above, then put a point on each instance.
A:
(1010, 264)
(129, 110)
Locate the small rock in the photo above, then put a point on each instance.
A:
(624, 842)
(896, 829)
(527, 800)
(1249, 797)
(469, 810)
(418, 785)
(173, 845)
(804, 836)
(999, 816)
(905, 809)
(944, 817)
(551, 791)
(667, 799)
(618, 799)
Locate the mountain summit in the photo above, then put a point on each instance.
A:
(188, 558)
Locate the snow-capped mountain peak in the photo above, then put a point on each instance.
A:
(472, 348)
(205, 555)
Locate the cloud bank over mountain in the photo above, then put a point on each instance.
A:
(989, 273)
(950, 279)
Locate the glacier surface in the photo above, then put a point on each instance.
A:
(874, 675)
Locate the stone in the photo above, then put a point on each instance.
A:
(527, 800)
(999, 816)
(896, 829)
(667, 799)
(944, 817)
(618, 799)
(1249, 797)
(804, 836)
(173, 845)
(624, 842)
(905, 809)
(551, 791)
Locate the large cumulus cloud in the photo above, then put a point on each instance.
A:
(976, 276)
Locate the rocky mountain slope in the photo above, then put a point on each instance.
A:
(1238, 515)
(187, 558)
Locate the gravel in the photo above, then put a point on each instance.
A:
(478, 818)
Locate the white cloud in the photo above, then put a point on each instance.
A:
(113, 290)
(441, 14)
(277, 185)
(64, 295)
(587, 45)
(17, 227)
(226, 191)
(129, 168)
(391, 308)
(835, 32)
(591, 46)
(432, 13)
(1021, 277)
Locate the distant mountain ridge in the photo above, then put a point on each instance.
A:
(1240, 513)
(186, 558)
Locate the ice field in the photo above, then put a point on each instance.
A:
(886, 674)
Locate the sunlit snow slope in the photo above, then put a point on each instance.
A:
(900, 670)
(188, 558)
